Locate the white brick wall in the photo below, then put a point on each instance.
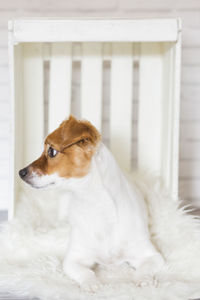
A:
(189, 11)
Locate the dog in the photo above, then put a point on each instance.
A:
(107, 215)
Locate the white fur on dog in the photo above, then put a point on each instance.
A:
(109, 223)
(33, 246)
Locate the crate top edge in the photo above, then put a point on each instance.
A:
(94, 29)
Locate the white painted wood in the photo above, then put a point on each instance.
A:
(17, 138)
(60, 84)
(94, 30)
(173, 61)
(167, 136)
(33, 125)
(107, 51)
(91, 83)
(150, 107)
(17, 125)
(12, 175)
(47, 51)
(159, 87)
(175, 83)
(77, 52)
(158, 129)
(121, 103)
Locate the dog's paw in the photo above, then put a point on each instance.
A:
(91, 286)
(146, 281)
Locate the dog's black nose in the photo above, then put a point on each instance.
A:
(23, 172)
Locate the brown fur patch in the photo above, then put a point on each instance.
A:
(76, 142)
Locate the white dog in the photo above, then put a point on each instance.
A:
(108, 218)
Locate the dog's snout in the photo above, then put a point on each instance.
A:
(23, 172)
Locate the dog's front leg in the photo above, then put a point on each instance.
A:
(82, 274)
(145, 274)
(79, 261)
(147, 262)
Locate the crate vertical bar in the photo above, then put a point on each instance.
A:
(171, 112)
(175, 82)
(33, 129)
(91, 83)
(60, 84)
(150, 107)
(121, 102)
(16, 93)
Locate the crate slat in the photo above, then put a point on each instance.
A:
(33, 108)
(95, 30)
(91, 83)
(121, 102)
(150, 107)
(60, 84)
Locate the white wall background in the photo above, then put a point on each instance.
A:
(187, 10)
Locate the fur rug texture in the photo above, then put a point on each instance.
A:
(32, 247)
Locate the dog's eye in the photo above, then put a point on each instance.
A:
(52, 152)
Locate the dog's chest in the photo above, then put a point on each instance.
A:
(94, 212)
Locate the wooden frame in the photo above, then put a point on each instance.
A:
(155, 44)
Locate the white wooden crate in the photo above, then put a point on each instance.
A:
(153, 45)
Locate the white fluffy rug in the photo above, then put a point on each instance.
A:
(32, 247)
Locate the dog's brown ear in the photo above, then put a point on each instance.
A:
(82, 133)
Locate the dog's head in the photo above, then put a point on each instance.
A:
(67, 153)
